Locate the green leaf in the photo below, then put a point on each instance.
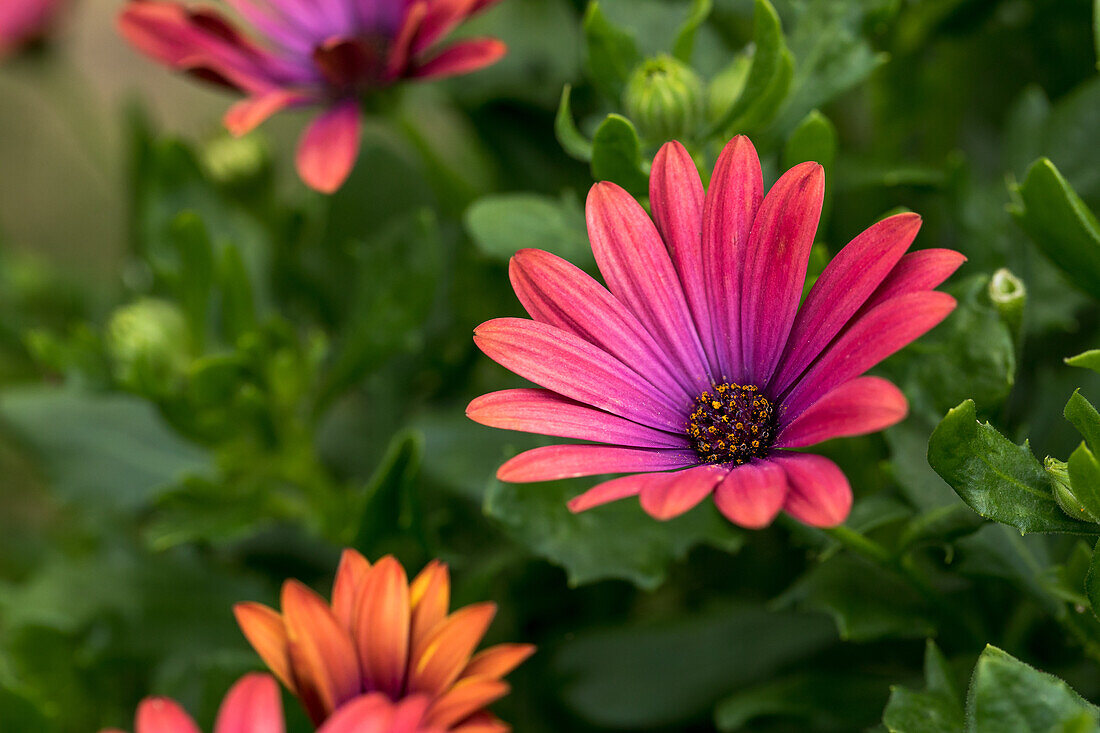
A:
(101, 450)
(767, 62)
(814, 139)
(1008, 695)
(767, 105)
(569, 137)
(1057, 220)
(618, 540)
(999, 480)
(645, 676)
(1096, 30)
(611, 52)
(684, 46)
(238, 313)
(827, 700)
(1084, 479)
(1087, 360)
(617, 155)
(393, 295)
(1092, 581)
(196, 273)
(388, 507)
(865, 602)
(936, 709)
(1085, 418)
(502, 224)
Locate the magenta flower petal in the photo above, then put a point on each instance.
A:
(246, 115)
(572, 461)
(572, 367)
(547, 413)
(843, 287)
(613, 490)
(676, 196)
(914, 273)
(461, 58)
(863, 405)
(735, 194)
(675, 493)
(636, 266)
(161, 715)
(442, 17)
(752, 495)
(871, 338)
(820, 494)
(775, 266)
(252, 705)
(556, 292)
(329, 147)
(268, 20)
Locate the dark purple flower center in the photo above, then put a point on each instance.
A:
(732, 424)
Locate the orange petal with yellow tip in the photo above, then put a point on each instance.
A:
(445, 652)
(266, 632)
(482, 722)
(382, 627)
(430, 597)
(322, 654)
(464, 699)
(497, 661)
(345, 589)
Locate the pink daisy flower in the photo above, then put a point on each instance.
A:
(327, 53)
(25, 21)
(696, 370)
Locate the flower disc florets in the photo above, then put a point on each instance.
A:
(732, 424)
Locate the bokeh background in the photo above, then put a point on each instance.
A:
(212, 379)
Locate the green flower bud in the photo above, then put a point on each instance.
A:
(147, 342)
(1063, 490)
(235, 161)
(664, 98)
(1009, 296)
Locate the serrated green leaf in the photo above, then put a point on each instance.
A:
(1085, 418)
(611, 52)
(999, 480)
(388, 511)
(1057, 220)
(1008, 695)
(569, 137)
(618, 540)
(684, 45)
(617, 155)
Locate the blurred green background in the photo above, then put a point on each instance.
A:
(212, 379)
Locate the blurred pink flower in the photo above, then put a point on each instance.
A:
(25, 21)
(696, 368)
(327, 53)
(252, 705)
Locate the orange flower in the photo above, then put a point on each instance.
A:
(384, 634)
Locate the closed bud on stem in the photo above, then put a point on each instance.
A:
(235, 161)
(147, 342)
(664, 98)
(1009, 296)
(1063, 490)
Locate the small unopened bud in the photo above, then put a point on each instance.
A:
(664, 98)
(1063, 490)
(1009, 296)
(235, 161)
(147, 342)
